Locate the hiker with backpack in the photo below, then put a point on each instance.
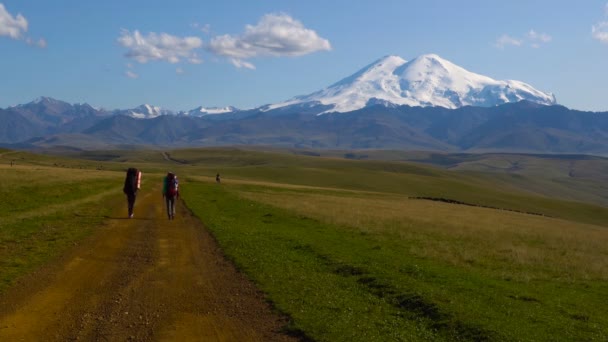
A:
(132, 185)
(170, 193)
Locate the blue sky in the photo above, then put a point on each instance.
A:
(182, 54)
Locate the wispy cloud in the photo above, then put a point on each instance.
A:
(179, 71)
(599, 31)
(531, 38)
(239, 63)
(275, 35)
(160, 47)
(41, 43)
(15, 27)
(205, 28)
(131, 74)
(536, 38)
(506, 40)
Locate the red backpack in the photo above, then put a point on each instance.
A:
(172, 184)
(132, 181)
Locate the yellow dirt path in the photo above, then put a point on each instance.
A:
(141, 279)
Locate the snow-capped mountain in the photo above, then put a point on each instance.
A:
(146, 111)
(427, 80)
(202, 111)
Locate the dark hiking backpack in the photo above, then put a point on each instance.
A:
(131, 181)
(171, 184)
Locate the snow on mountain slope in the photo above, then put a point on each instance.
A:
(147, 111)
(202, 111)
(427, 80)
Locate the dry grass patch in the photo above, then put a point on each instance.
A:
(514, 245)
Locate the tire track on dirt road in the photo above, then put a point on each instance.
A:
(142, 279)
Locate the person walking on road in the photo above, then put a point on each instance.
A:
(170, 193)
(132, 185)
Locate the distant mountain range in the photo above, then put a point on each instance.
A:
(427, 103)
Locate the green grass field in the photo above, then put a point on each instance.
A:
(46, 210)
(343, 247)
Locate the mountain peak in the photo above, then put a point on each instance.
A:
(146, 111)
(374, 70)
(45, 100)
(430, 61)
(392, 59)
(427, 80)
(430, 57)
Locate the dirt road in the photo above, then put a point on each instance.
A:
(140, 279)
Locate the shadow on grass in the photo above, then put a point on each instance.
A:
(411, 305)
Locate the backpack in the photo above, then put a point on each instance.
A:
(172, 184)
(132, 181)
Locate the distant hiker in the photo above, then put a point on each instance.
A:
(170, 193)
(132, 185)
(217, 178)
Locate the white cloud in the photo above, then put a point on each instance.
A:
(506, 40)
(179, 71)
(13, 27)
(239, 63)
(274, 35)
(160, 47)
(131, 74)
(41, 43)
(599, 31)
(537, 37)
(533, 38)
(195, 60)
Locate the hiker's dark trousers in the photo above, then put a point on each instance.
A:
(170, 201)
(131, 202)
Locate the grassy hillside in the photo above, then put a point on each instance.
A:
(52, 202)
(571, 177)
(347, 246)
(399, 178)
(341, 246)
(354, 266)
(46, 210)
